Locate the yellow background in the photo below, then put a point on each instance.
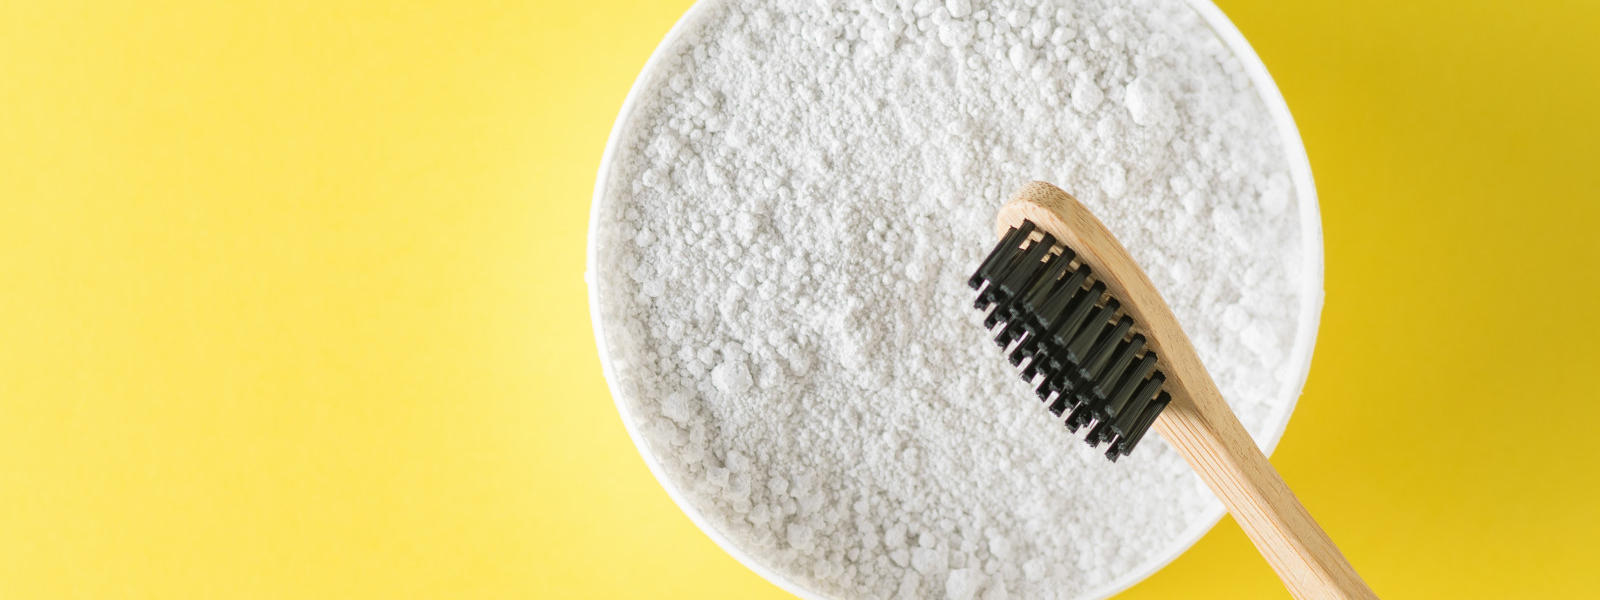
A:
(291, 303)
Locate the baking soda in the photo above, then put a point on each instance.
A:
(781, 256)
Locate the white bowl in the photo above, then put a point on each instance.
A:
(1300, 354)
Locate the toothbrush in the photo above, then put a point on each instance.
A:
(1092, 334)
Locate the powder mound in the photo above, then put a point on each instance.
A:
(781, 252)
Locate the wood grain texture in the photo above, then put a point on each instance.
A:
(1198, 423)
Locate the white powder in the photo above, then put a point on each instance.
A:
(781, 257)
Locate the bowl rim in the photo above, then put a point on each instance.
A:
(1300, 355)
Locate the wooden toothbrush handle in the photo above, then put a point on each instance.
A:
(1222, 453)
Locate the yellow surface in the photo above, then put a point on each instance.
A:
(291, 303)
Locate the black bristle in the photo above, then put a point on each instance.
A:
(1061, 296)
(1100, 433)
(1069, 340)
(1048, 279)
(1009, 333)
(1126, 443)
(1094, 365)
(1020, 352)
(1127, 420)
(1023, 274)
(1060, 404)
(1078, 349)
(1107, 374)
(1117, 399)
(1063, 399)
(1001, 252)
(1077, 315)
(1078, 418)
(1030, 371)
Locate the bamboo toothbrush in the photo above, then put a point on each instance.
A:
(1093, 335)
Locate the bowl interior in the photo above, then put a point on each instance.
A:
(1300, 354)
